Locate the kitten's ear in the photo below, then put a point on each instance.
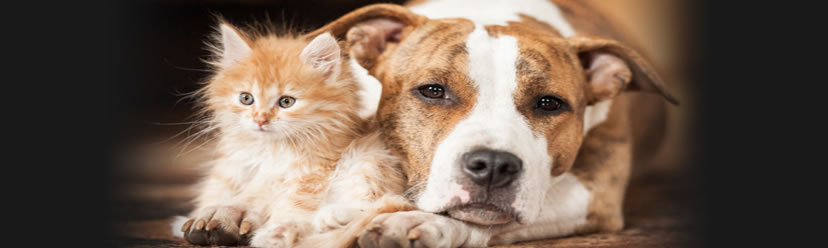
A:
(234, 47)
(322, 53)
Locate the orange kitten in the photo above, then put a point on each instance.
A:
(283, 110)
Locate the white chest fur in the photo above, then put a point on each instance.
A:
(253, 166)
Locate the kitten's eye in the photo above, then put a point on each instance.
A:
(432, 91)
(549, 103)
(246, 98)
(286, 101)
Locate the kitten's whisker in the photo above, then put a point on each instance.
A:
(186, 130)
(190, 139)
(197, 147)
(185, 68)
(415, 189)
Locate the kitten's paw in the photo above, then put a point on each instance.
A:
(276, 235)
(220, 226)
(412, 229)
(334, 217)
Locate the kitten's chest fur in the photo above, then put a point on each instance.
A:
(269, 175)
(272, 163)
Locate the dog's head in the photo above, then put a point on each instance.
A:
(486, 117)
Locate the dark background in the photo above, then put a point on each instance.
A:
(170, 48)
(85, 78)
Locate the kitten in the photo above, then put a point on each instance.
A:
(284, 110)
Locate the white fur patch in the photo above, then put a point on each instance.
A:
(176, 224)
(493, 123)
(566, 203)
(595, 114)
(369, 92)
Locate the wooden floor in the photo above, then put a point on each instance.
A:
(658, 208)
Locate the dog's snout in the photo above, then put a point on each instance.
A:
(493, 168)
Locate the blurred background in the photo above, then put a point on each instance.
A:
(166, 42)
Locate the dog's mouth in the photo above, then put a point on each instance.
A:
(482, 214)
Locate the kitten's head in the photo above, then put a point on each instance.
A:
(278, 87)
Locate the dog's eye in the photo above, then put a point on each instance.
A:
(432, 91)
(246, 98)
(286, 101)
(549, 103)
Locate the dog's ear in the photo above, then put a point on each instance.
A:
(611, 67)
(368, 30)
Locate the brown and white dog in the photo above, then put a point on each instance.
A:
(507, 115)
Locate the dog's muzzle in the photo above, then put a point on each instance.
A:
(490, 174)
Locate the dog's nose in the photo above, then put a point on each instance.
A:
(493, 168)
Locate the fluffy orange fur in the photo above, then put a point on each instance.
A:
(277, 163)
(275, 172)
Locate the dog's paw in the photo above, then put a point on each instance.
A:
(220, 226)
(333, 217)
(412, 229)
(276, 235)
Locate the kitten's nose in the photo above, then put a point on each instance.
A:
(261, 122)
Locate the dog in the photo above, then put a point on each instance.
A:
(510, 117)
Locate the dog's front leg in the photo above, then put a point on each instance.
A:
(420, 229)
